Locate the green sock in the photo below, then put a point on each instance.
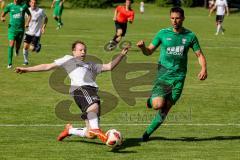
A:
(10, 55)
(156, 122)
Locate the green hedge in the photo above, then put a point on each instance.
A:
(91, 3)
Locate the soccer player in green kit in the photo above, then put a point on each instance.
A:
(57, 12)
(16, 26)
(174, 44)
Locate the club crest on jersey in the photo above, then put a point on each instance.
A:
(169, 39)
(184, 41)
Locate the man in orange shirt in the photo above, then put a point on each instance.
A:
(122, 15)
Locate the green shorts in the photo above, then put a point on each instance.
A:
(168, 88)
(15, 35)
(57, 12)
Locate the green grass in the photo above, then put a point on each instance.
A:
(29, 125)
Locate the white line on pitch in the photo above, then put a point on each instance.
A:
(131, 124)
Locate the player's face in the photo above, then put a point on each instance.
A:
(17, 1)
(33, 4)
(128, 3)
(176, 20)
(80, 51)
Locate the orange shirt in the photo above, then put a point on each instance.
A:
(123, 15)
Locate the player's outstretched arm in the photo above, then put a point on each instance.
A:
(53, 2)
(203, 63)
(3, 16)
(111, 65)
(37, 68)
(211, 10)
(146, 50)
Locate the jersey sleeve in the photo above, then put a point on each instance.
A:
(195, 44)
(132, 16)
(96, 68)
(118, 8)
(157, 40)
(6, 9)
(27, 10)
(63, 60)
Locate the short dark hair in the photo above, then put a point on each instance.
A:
(77, 42)
(177, 10)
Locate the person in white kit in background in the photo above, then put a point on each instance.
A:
(36, 27)
(222, 7)
(141, 7)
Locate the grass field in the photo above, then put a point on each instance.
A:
(204, 124)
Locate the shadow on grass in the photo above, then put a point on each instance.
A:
(196, 139)
(84, 141)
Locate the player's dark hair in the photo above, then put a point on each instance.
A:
(77, 42)
(177, 10)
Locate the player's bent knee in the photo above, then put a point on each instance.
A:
(158, 103)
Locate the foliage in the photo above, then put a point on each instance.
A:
(91, 3)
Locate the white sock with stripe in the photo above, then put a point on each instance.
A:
(81, 132)
(93, 120)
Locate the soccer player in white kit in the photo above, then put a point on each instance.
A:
(222, 7)
(141, 7)
(83, 87)
(36, 27)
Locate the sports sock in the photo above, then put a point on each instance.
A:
(115, 39)
(10, 55)
(218, 28)
(25, 55)
(93, 120)
(156, 122)
(81, 132)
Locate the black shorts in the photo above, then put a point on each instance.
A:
(122, 26)
(34, 40)
(219, 18)
(84, 97)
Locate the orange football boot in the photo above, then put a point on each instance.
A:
(65, 132)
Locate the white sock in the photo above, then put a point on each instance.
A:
(93, 120)
(218, 28)
(81, 132)
(25, 55)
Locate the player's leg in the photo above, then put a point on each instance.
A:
(11, 39)
(19, 38)
(162, 107)
(35, 45)
(10, 52)
(93, 119)
(25, 53)
(26, 47)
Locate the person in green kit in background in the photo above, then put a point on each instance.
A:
(16, 26)
(174, 45)
(57, 12)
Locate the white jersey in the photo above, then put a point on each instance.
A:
(221, 6)
(80, 73)
(141, 7)
(36, 22)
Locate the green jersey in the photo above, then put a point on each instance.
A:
(17, 16)
(57, 3)
(174, 50)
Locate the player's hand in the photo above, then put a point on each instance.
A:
(202, 75)
(125, 50)
(3, 19)
(43, 30)
(20, 70)
(141, 44)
